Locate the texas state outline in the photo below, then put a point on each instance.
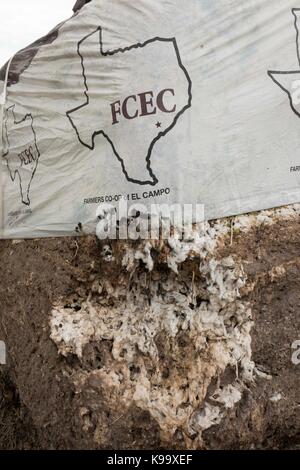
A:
(279, 77)
(24, 181)
(172, 40)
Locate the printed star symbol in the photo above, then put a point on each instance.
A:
(158, 124)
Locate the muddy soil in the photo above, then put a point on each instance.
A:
(39, 406)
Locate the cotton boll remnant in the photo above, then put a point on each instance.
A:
(206, 418)
(107, 221)
(211, 415)
(71, 329)
(201, 241)
(106, 253)
(267, 217)
(276, 398)
(143, 254)
(228, 396)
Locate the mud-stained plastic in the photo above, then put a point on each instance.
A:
(152, 103)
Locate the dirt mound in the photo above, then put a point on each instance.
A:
(133, 346)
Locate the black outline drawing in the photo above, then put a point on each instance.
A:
(161, 134)
(13, 173)
(294, 10)
(271, 73)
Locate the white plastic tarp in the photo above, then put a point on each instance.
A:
(161, 101)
